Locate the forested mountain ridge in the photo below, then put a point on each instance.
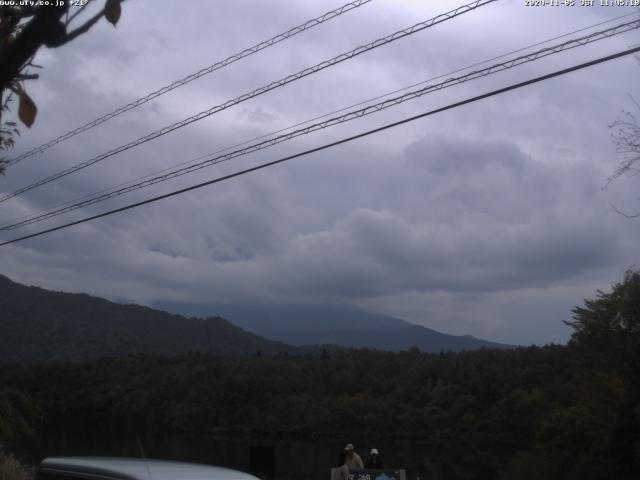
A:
(41, 325)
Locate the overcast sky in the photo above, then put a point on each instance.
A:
(490, 219)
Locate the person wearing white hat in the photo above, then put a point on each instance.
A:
(353, 461)
(375, 461)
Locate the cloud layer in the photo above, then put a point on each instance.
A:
(489, 219)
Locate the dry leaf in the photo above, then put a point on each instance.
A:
(27, 109)
(112, 14)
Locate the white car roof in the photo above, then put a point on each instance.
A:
(136, 469)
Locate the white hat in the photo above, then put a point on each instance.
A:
(349, 446)
(374, 451)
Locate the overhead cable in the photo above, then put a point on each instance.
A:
(333, 144)
(247, 96)
(189, 78)
(493, 69)
(313, 119)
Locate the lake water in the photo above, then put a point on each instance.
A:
(294, 459)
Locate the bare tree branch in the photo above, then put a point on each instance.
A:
(78, 12)
(627, 140)
(27, 76)
(89, 23)
(627, 215)
(84, 28)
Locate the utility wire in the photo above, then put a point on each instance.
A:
(284, 129)
(581, 41)
(333, 144)
(298, 124)
(271, 86)
(324, 115)
(189, 78)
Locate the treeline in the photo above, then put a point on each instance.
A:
(570, 411)
(411, 394)
(517, 399)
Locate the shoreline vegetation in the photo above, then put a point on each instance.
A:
(537, 402)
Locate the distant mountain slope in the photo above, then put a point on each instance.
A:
(41, 325)
(336, 325)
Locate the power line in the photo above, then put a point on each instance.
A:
(189, 78)
(298, 124)
(333, 144)
(324, 115)
(331, 122)
(514, 62)
(271, 86)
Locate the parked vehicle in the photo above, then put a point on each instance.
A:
(105, 468)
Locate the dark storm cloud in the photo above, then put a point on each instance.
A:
(503, 228)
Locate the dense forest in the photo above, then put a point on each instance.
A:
(566, 412)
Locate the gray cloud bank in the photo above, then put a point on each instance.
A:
(490, 219)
